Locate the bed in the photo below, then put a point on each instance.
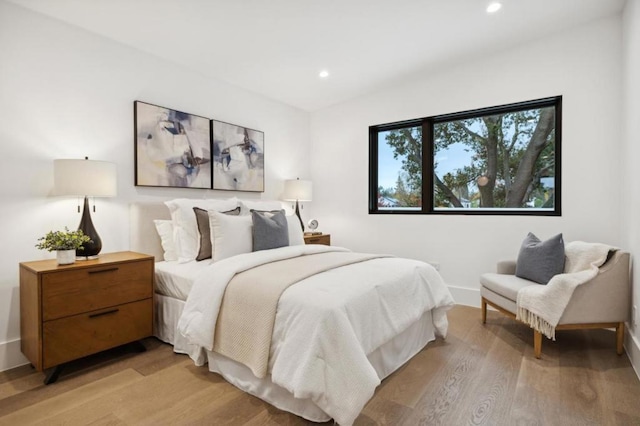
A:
(337, 333)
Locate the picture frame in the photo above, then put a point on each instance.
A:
(172, 148)
(238, 157)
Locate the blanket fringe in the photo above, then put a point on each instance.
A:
(536, 322)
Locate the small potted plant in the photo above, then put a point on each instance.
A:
(64, 243)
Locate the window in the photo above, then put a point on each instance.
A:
(498, 160)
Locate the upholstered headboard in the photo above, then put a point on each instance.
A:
(143, 236)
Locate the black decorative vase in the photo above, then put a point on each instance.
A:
(93, 247)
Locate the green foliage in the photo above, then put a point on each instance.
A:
(499, 145)
(63, 240)
(405, 195)
(511, 151)
(407, 146)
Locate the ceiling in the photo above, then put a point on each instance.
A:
(278, 47)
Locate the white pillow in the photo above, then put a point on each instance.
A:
(185, 227)
(248, 205)
(165, 231)
(296, 236)
(230, 235)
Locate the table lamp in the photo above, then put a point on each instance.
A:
(85, 178)
(298, 190)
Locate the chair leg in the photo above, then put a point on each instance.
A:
(537, 344)
(620, 338)
(484, 311)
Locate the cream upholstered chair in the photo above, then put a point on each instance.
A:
(602, 302)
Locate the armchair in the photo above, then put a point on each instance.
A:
(602, 302)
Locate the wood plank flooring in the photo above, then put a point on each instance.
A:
(479, 375)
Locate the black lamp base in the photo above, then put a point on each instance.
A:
(298, 214)
(92, 248)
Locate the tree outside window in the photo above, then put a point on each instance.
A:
(499, 160)
(400, 169)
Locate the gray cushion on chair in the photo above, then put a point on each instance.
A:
(505, 285)
(540, 260)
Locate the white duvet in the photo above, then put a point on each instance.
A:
(328, 323)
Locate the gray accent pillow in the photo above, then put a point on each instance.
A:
(270, 230)
(204, 229)
(540, 260)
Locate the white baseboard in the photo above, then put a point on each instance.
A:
(632, 345)
(11, 356)
(465, 296)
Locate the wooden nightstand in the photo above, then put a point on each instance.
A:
(318, 239)
(71, 311)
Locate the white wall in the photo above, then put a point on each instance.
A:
(631, 155)
(66, 93)
(583, 65)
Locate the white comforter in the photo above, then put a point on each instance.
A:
(328, 323)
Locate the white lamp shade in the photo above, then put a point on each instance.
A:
(84, 177)
(296, 189)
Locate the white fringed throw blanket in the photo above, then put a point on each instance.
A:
(542, 306)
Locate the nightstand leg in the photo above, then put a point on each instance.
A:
(52, 374)
(138, 346)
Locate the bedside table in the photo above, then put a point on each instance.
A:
(318, 239)
(71, 311)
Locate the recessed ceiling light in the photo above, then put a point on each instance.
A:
(494, 7)
(323, 74)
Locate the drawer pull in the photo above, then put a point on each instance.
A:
(103, 270)
(99, 314)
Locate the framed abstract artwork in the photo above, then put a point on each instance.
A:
(238, 157)
(172, 148)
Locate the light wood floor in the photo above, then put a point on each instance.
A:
(478, 375)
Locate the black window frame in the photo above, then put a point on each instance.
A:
(428, 124)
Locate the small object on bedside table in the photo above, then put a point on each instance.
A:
(317, 239)
(64, 243)
(71, 311)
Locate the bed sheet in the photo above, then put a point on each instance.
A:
(175, 279)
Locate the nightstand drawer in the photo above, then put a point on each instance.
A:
(318, 239)
(77, 336)
(78, 290)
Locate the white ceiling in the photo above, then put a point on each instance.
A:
(277, 47)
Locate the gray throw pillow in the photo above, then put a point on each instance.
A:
(204, 229)
(270, 230)
(540, 260)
